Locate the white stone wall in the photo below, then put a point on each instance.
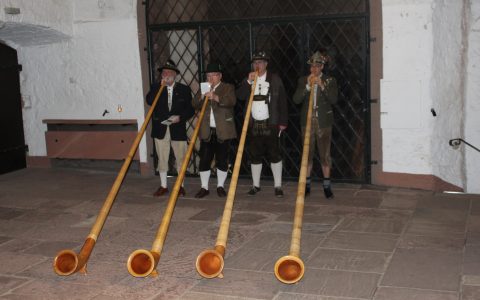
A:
(472, 105)
(447, 85)
(406, 88)
(96, 69)
(430, 62)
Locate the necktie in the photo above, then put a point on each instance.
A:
(169, 99)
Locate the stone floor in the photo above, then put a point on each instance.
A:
(367, 243)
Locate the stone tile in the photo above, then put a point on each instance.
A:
(473, 224)
(281, 242)
(254, 259)
(43, 289)
(310, 218)
(405, 202)
(445, 201)
(261, 285)
(372, 225)
(445, 243)
(475, 208)
(470, 292)
(8, 283)
(250, 218)
(297, 296)
(435, 229)
(394, 293)
(13, 263)
(211, 215)
(440, 216)
(159, 287)
(4, 239)
(7, 213)
(50, 249)
(313, 228)
(18, 245)
(425, 269)
(348, 260)
(471, 280)
(361, 241)
(338, 283)
(209, 296)
(471, 260)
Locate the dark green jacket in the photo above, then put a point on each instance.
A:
(325, 99)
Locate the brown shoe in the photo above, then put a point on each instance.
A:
(221, 192)
(181, 191)
(202, 193)
(160, 192)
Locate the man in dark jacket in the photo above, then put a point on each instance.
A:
(325, 95)
(269, 119)
(217, 129)
(173, 110)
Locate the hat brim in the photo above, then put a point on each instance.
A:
(168, 68)
(260, 58)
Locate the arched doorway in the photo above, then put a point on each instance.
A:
(12, 143)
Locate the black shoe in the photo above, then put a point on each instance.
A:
(221, 192)
(328, 192)
(202, 193)
(278, 192)
(307, 190)
(253, 191)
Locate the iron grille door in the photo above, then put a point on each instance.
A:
(289, 40)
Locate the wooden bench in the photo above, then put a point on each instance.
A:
(90, 139)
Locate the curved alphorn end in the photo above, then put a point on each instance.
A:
(65, 263)
(142, 263)
(289, 269)
(210, 263)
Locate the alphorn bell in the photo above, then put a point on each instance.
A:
(141, 262)
(67, 261)
(210, 262)
(290, 268)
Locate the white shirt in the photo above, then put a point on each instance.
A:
(212, 117)
(170, 95)
(260, 108)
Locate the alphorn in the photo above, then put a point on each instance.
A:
(290, 268)
(210, 262)
(142, 262)
(67, 261)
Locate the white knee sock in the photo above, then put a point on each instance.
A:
(204, 178)
(256, 172)
(221, 176)
(277, 173)
(163, 179)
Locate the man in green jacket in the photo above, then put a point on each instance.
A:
(325, 94)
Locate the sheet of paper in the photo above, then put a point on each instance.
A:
(204, 87)
(169, 120)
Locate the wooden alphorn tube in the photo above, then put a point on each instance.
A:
(290, 268)
(142, 262)
(210, 262)
(67, 261)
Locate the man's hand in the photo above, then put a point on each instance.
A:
(212, 96)
(174, 119)
(282, 127)
(251, 77)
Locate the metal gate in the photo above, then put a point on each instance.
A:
(194, 32)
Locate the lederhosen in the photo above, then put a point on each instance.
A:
(264, 140)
